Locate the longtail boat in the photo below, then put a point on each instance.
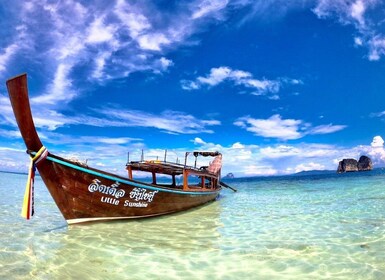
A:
(85, 194)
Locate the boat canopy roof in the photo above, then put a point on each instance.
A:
(205, 153)
(157, 166)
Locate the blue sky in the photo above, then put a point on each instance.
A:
(277, 86)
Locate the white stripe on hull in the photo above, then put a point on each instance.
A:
(86, 220)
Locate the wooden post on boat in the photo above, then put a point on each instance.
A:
(129, 170)
(185, 180)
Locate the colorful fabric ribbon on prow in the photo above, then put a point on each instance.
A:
(28, 204)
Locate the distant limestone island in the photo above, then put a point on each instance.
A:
(352, 165)
(229, 176)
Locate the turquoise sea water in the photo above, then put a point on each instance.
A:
(309, 227)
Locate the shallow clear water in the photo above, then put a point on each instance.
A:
(309, 227)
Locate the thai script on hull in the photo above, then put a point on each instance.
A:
(111, 190)
(139, 194)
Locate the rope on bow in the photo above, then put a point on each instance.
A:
(29, 201)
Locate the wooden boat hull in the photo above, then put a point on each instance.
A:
(83, 194)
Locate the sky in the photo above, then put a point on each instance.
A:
(277, 87)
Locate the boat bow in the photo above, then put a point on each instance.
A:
(18, 95)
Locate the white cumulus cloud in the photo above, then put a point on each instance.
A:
(240, 78)
(377, 142)
(284, 129)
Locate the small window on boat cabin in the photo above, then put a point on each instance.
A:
(167, 180)
(196, 181)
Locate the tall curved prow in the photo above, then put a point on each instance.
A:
(18, 94)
